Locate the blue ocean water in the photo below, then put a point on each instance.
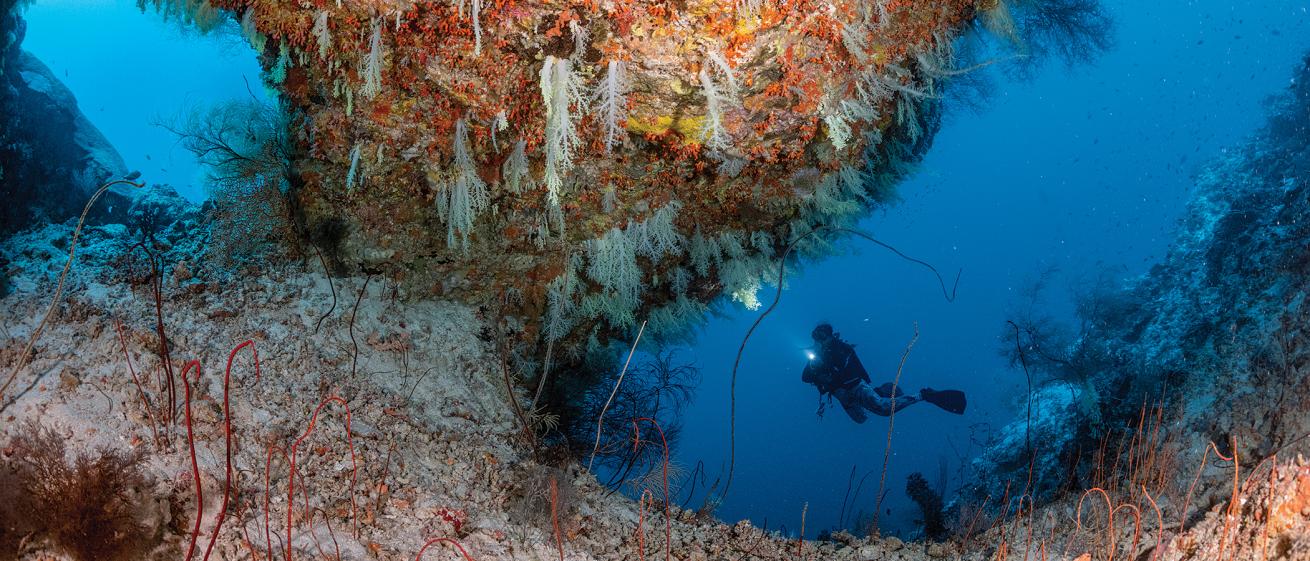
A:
(132, 71)
(1080, 171)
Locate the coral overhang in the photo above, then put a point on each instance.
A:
(741, 113)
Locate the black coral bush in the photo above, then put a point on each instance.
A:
(930, 502)
(87, 508)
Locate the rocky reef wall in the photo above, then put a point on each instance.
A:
(1213, 339)
(601, 163)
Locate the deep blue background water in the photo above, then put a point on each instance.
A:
(130, 70)
(1081, 171)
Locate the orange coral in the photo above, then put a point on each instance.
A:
(787, 62)
(1289, 510)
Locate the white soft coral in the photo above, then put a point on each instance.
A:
(321, 34)
(371, 69)
(561, 93)
(475, 9)
(611, 101)
(612, 263)
(515, 169)
(718, 96)
(465, 195)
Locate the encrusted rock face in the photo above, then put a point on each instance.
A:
(1221, 322)
(484, 149)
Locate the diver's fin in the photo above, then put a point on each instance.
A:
(949, 400)
(885, 391)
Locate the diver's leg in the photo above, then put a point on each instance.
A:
(851, 403)
(879, 405)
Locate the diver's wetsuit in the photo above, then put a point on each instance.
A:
(836, 370)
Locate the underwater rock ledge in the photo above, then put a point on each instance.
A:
(602, 163)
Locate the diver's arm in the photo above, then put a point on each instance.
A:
(808, 376)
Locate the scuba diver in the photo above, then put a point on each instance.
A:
(836, 371)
